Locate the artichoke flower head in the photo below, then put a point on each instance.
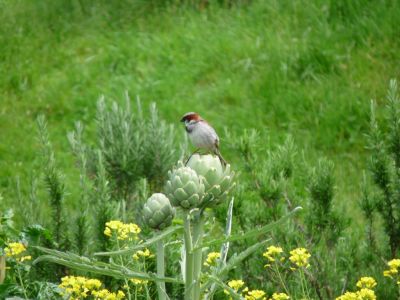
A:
(184, 188)
(218, 180)
(158, 212)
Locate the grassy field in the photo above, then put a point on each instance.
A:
(306, 69)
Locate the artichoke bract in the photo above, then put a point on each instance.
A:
(218, 181)
(158, 212)
(184, 188)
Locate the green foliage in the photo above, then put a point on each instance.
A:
(368, 206)
(133, 146)
(55, 185)
(322, 220)
(385, 166)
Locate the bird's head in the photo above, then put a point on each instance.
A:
(191, 117)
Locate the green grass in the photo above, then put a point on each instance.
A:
(302, 68)
(305, 68)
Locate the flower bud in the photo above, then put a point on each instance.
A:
(184, 188)
(158, 212)
(218, 181)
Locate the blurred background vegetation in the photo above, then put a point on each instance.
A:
(299, 72)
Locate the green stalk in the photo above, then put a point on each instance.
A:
(281, 279)
(2, 268)
(21, 282)
(198, 229)
(161, 270)
(188, 259)
(123, 265)
(304, 284)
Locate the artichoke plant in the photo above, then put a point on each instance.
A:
(158, 212)
(218, 181)
(184, 188)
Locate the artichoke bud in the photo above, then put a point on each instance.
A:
(158, 211)
(184, 188)
(218, 181)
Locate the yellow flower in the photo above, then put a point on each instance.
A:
(366, 294)
(27, 257)
(102, 294)
(136, 281)
(300, 257)
(141, 253)
(212, 258)
(122, 231)
(92, 284)
(389, 273)
(255, 295)
(15, 250)
(272, 253)
(236, 284)
(366, 282)
(394, 263)
(78, 287)
(120, 295)
(105, 294)
(348, 296)
(280, 296)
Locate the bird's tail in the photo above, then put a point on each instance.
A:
(222, 160)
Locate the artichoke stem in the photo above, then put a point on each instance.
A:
(161, 270)
(197, 254)
(188, 259)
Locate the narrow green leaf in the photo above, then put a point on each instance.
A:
(109, 270)
(234, 261)
(225, 287)
(146, 244)
(87, 265)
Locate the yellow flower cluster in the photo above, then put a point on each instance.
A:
(142, 253)
(300, 257)
(78, 287)
(255, 295)
(236, 285)
(123, 231)
(366, 282)
(393, 271)
(280, 296)
(212, 258)
(107, 295)
(239, 288)
(136, 281)
(348, 296)
(365, 292)
(16, 251)
(273, 253)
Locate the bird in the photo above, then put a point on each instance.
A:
(202, 135)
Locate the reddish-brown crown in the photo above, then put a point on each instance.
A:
(191, 116)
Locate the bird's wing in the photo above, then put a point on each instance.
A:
(214, 135)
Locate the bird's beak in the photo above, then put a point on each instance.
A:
(182, 120)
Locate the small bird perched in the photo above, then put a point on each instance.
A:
(202, 135)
